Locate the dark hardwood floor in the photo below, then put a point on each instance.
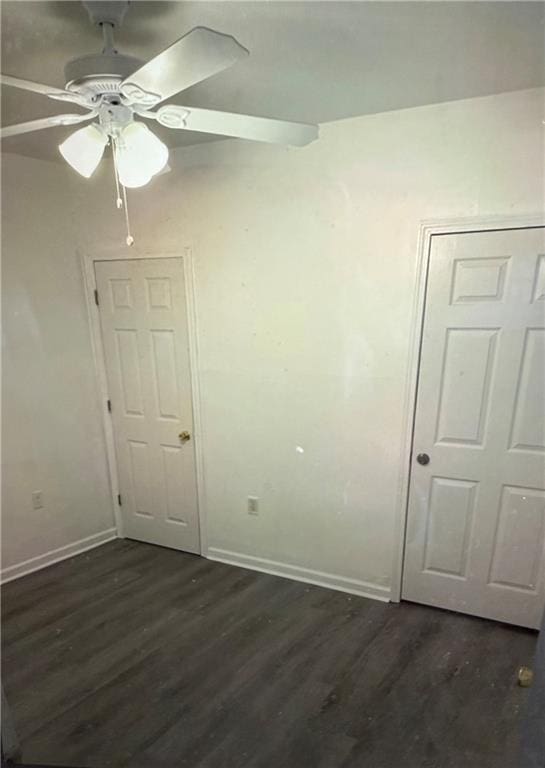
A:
(134, 655)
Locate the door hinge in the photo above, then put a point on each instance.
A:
(96, 297)
(109, 404)
(119, 499)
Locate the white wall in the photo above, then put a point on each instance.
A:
(305, 272)
(51, 427)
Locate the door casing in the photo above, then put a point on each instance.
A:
(429, 229)
(88, 269)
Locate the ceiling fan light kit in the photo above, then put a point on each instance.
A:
(116, 89)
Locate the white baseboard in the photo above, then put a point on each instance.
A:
(56, 555)
(319, 578)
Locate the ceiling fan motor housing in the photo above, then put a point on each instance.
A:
(99, 74)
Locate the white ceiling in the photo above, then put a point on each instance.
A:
(310, 61)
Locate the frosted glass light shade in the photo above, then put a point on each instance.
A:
(140, 155)
(83, 149)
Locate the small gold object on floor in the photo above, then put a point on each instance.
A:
(526, 677)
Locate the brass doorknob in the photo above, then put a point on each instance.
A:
(184, 437)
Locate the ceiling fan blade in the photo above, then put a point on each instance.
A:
(194, 57)
(44, 122)
(46, 90)
(238, 126)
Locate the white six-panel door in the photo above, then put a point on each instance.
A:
(476, 522)
(145, 339)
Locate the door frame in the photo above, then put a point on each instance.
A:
(89, 281)
(428, 230)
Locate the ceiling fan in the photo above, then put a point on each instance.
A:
(115, 89)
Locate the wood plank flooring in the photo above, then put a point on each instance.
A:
(137, 656)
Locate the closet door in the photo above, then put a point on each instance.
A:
(476, 528)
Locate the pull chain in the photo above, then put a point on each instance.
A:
(118, 200)
(130, 238)
(121, 203)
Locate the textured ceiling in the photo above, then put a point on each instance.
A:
(310, 61)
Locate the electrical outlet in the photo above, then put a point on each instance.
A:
(253, 505)
(37, 500)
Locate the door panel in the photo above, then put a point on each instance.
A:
(450, 514)
(129, 369)
(144, 330)
(476, 520)
(464, 398)
(518, 547)
(528, 433)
